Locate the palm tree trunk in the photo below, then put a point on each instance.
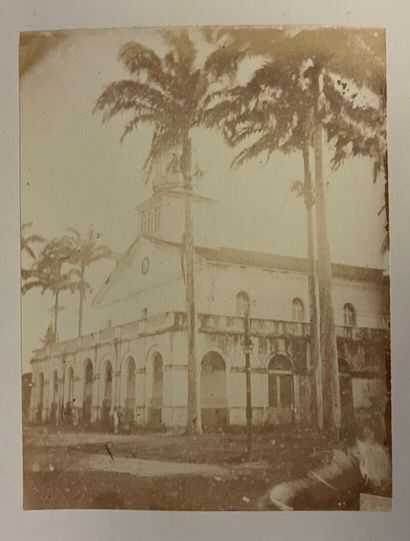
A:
(56, 310)
(317, 404)
(330, 370)
(81, 305)
(194, 424)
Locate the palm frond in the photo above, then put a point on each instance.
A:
(267, 143)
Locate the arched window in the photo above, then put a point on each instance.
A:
(242, 304)
(349, 315)
(298, 310)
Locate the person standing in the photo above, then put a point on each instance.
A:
(116, 420)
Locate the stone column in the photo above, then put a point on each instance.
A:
(46, 392)
(117, 389)
(117, 374)
(60, 398)
(95, 400)
(237, 395)
(95, 403)
(140, 404)
(175, 395)
(33, 400)
(77, 405)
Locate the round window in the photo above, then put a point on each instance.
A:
(145, 265)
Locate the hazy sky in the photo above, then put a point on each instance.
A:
(75, 173)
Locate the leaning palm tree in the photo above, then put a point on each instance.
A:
(49, 273)
(84, 252)
(26, 242)
(171, 93)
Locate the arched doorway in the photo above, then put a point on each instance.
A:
(107, 396)
(214, 403)
(157, 390)
(88, 391)
(54, 402)
(40, 401)
(280, 390)
(346, 394)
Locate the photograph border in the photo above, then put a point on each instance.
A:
(46, 14)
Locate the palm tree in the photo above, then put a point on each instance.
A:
(342, 59)
(84, 252)
(360, 130)
(288, 104)
(48, 274)
(26, 243)
(171, 93)
(331, 60)
(274, 110)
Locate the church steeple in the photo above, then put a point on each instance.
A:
(162, 215)
(166, 173)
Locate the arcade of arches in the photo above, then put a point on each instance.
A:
(93, 397)
(155, 394)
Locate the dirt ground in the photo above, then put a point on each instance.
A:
(66, 469)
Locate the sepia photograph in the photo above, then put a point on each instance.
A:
(205, 283)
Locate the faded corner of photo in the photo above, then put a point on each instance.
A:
(205, 269)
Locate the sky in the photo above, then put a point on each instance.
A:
(75, 173)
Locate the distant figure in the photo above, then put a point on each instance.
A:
(116, 420)
(68, 411)
(120, 417)
(75, 416)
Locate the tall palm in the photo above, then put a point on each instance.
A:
(349, 57)
(26, 246)
(84, 252)
(288, 104)
(274, 110)
(171, 94)
(330, 57)
(50, 273)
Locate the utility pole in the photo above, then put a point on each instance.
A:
(247, 348)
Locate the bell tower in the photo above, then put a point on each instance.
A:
(162, 215)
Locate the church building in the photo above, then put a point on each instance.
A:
(139, 361)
